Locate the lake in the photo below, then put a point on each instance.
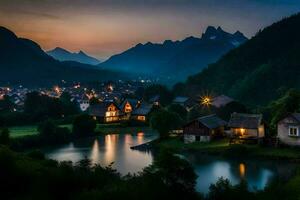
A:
(257, 173)
(115, 148)
(106, 149)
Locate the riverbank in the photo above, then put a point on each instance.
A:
(223, 148)
(22, 131)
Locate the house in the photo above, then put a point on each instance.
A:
(221, 101)
(106, 112)
(180, 100)
(203, 129)
(128, 105)
(155, 100)
(84, 103)
(186, 102)
(288, 130)
(142, 112)
(246, 126)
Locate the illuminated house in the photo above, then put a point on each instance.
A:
(106, 112)
(203, 129)
(288, 130)
(129, 105)
(246, 126)
(142, 112)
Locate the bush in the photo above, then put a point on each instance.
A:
(4, 136)
(47, 128)
(164, 121)
(84, 125)
(180, 110)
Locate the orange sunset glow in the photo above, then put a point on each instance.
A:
(103, 28)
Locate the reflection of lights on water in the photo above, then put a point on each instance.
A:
(95, 152)
(242, 169)
(140, 137)
(128, 139)
(111, 143)
(140, 134)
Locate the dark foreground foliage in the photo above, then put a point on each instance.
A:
(33, 177)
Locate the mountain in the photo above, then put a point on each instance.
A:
(175, 60)
(22, 61)
(257, 71)
(64, 55)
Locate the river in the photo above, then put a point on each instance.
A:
(115, 148)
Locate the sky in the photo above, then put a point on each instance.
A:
(106, 27)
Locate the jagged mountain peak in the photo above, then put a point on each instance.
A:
(182, 57)
(65, 55)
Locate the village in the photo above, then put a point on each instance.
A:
(240, 128)
(117, 102)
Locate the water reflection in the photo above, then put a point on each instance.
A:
(111, 148)
(242, 168)
(257, 173)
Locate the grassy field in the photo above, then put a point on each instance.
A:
(223, 148)
(20, 131)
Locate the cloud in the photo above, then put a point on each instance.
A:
(40, 15)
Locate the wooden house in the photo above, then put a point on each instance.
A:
(288, 130)
(203, 129)
(106, 112)
(128, 105)
(141, 114)
(246, 126)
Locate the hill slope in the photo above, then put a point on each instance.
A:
(64, 55)
(257, 71)
(176, 60)
(22, 61)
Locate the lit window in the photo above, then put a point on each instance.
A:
(293, 131)
(141, 118)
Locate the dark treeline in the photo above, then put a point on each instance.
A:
(49, 133)
(38, 108)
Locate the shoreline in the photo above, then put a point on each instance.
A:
(222, 148)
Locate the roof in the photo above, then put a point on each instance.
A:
(154, 99)
(132, 102)
(180, 99)
(241, 120)
(295, 116)
(99, 110)
(144, 109)
(210, 121)
(221, 100)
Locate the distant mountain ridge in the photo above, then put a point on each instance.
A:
(64, 55)
(258, 71)
(176, 59)
(22, 61)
